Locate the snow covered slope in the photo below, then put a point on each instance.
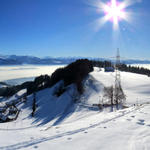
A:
(63, 125)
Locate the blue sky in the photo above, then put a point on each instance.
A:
(66, 28)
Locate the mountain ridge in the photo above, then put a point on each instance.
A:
(20, 60)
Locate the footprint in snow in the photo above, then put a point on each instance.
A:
(85, 132)
(141, 120)
(129, 120)
(69, 139)
(35, 146)
(133, 116)
(141, 123)
(148, 125)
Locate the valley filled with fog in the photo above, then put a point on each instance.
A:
(17, 74)
(21, 73)
(147, 66)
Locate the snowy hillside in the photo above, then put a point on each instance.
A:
(61, 124)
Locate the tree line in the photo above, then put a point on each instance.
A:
(122, 67)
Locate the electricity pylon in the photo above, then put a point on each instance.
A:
(117, 65)
(117, 78)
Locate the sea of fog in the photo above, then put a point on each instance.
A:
(21, 73)
(147, 66)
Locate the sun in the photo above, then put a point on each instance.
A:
(114, 11)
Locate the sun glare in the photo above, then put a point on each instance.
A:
(114, 11)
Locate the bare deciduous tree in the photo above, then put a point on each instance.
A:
(114, 95)
(109, 93)
(119, 96)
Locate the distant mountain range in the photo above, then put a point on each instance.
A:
(20, 60)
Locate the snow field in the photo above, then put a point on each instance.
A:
(62, 125)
